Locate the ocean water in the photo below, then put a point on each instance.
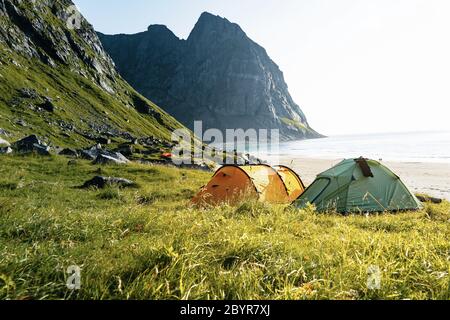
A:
(431, 147)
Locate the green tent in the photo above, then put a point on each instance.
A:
(358, 186)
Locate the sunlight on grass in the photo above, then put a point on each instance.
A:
(149, 243)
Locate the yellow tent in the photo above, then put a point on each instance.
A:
(233, 184)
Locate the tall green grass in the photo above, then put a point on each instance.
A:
(148, 243)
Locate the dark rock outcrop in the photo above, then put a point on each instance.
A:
(5, 150)
(100, 156)
(127, 150)
(48, 105)
(218, 75)
(31, 144)
(28, 93)
(111, 158)
(91, 153)
(69, 153)
(102, 182)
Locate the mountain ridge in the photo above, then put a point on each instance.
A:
(217, 75)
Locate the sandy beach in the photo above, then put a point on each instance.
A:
(420, 177)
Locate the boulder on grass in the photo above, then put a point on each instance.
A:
(4, 143)
(69, 153)
(111, 158)
(126, 150)
(103, 140)
(6, 150)
(91, 153)
(31, 144)
(28, 93)
(102, 182)
(48, 105)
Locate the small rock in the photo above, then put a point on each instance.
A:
(91, 153)
(6, 150)
(4, 143)
(200, 167)
(111, 158)
(31, 144)
(101, 182)
(14, 62)
(48, 105)
(41, 150)
(3, 132)
(28, 93)
(126, 150)
(69, 153)
(21, 123)
(103, 140)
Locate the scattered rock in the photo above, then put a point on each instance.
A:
(201, 167)
(3, 132)
(14, 62)
(6, 150)
(69, 153)
(111, 158)
(21, 123)
(126, 135)
(103, 140)
(32, 107)
(100, 156)
(4, 143)
(31, 144)
(91, 153)
(48, 105)
(101, 182)
(28, 93)
(429, 199)
(126, 150)
(65, 125)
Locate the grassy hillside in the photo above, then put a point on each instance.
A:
(42, 59)
(80, 103)
(147, 243)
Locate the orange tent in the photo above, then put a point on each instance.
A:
(233, 184)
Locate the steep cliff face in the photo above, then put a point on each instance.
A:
(218, 75)
(57, 81)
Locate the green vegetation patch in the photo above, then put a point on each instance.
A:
(149, 243)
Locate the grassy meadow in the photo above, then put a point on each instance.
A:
(147, 242)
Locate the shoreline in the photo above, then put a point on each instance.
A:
(431, 178)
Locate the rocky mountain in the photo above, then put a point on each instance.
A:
(57, 81)
(218, 75)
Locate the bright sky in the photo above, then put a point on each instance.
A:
(354, 66)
